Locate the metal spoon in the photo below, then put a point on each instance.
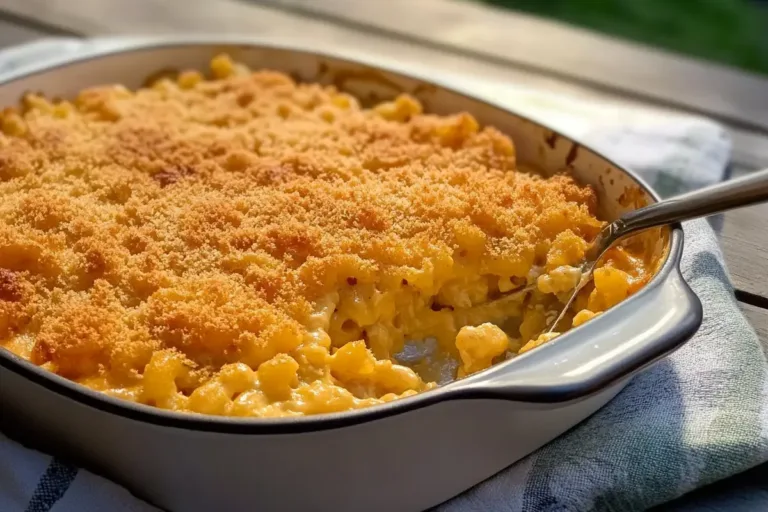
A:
(718, 198)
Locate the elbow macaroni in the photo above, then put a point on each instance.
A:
(248, 246)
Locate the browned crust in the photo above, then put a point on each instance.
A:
(201, 216)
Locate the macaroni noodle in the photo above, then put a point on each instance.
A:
(245, 245)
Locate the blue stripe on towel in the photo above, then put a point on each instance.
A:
(52, 486)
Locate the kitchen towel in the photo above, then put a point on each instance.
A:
(696, 417)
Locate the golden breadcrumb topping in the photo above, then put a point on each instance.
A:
(209, 218)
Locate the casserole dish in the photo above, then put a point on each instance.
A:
(486, 421)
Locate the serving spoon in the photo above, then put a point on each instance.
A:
(710, 200)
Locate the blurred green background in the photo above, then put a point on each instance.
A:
(732, 32)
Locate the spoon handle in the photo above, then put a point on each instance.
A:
(736, 193)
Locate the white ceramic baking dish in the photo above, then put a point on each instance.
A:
(407, 455)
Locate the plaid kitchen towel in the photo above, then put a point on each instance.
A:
(696, 417)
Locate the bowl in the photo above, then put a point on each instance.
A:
(409, 454)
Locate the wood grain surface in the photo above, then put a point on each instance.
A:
(11, 33)
(744, 238)
(758, 317)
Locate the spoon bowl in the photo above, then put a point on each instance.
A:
(714, 199)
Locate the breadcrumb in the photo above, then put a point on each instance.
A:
(206, 217)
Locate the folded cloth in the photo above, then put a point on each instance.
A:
(697, 416)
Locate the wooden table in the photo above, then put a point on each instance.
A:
(483, 42)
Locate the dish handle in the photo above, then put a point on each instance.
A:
(608, 348)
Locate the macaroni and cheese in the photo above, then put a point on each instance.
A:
(245, 245)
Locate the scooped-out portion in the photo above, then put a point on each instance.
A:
(240, 244)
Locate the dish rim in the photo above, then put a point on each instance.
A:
(466, 388)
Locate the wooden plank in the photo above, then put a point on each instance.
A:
(739, 170)
(758, 317)
(744, 237)
(750, 149)
(561, 50)
(12, 34)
